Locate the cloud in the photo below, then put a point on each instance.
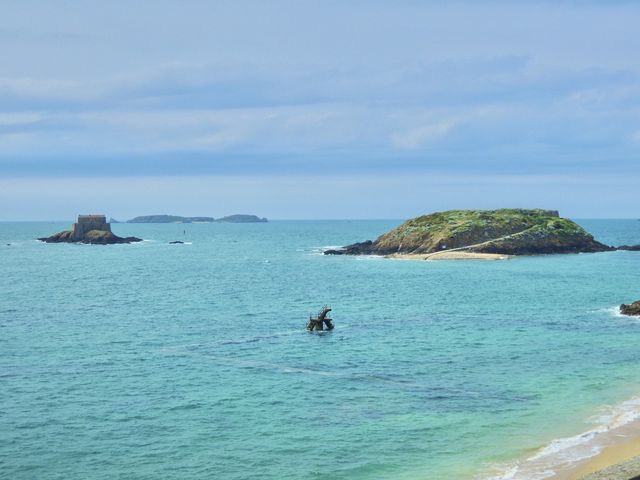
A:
(418, 136)
(20, 118)
(243, 88)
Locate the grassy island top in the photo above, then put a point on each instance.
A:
(509, 230)
(463, 228)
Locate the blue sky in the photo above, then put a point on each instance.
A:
(332, 109)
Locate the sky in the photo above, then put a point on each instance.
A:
(318, 109)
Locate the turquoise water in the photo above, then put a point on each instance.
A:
(191, 361)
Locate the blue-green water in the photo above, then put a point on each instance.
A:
(191, 361)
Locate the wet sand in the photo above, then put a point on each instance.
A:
(614, 463)
(449, 255)
(619, 460)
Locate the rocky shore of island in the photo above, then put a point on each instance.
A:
(91, 229)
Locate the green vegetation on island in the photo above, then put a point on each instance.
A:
(178, 219)
(504, 231)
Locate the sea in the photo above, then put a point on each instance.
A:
(191, 361)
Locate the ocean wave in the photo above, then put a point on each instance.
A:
(369, 257)
(564, 453)
(614, 312)
(321, 250)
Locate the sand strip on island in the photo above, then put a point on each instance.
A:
(449, 255)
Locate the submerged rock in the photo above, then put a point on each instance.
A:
(92, 229)
(632, 309)
(175, 242)
(504, 231)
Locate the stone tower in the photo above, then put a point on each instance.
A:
(86, 223)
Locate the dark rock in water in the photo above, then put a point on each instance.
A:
(633, 248)
(175, 242)
(92, 229)
(632, 309)
(511, 231)
(362, 248)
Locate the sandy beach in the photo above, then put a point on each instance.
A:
(449, 255)
(618, 459)
(618, 462)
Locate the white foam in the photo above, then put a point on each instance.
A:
(369, 257)
(563, 453)
(613, 311)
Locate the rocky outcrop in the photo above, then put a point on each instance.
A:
(631, 309)
(92, 229)
(504, 231)
(632, 248)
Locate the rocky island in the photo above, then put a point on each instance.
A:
(479, 234)
(178, 219)
(92, 229)
(630, 309)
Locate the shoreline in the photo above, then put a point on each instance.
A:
(448, 255)
(618, 461)
(610, 450)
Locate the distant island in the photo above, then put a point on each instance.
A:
(92, 229)
(178, 219)
(479, 234)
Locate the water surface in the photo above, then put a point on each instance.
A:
(191, 361)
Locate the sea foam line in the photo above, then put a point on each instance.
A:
(564, 453)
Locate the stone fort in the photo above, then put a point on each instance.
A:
(86, 223)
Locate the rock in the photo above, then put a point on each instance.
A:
(632, 309)
(362, 248)
(92, 229)
(504, 231)
(633, 248)
(175, 242)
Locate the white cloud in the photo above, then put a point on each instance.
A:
(45, 89)
(20, 118)
(418, 136)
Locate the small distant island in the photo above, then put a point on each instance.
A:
(483, 234)
(238, 218)
(92, 229)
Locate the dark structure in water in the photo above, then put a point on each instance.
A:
(319, 322)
